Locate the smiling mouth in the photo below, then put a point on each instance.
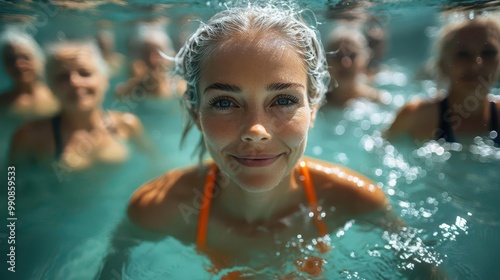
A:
(257, 161)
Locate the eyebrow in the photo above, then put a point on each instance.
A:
(223, 87)
(236, 89)
(283, 86)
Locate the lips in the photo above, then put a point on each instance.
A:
(256, 161)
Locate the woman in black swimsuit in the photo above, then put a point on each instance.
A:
(82, 135)
(469, 60)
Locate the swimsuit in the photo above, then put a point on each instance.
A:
(312, 265)
(56, 132)
(446, 132)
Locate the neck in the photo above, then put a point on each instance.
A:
(25, 87)
(254, 207)
(86, 120)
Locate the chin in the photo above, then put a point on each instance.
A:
(257, 189)
(256, 183)
(28, 78)
(81, 107)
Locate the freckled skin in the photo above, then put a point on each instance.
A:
(253, 114)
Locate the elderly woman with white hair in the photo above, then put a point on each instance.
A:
(29, 97)
(82, 134)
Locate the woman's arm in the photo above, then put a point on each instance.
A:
(126, 236)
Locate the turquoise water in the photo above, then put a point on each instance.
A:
(449, 195)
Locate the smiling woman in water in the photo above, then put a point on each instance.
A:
(256, 77)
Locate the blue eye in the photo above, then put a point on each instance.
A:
(283, 101)
(221, 103)
(463, 55)
(224, 103)
(287, 100)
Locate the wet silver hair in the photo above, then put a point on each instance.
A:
(90, 45)
(287, 23)
(14, 35)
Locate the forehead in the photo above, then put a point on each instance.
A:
(475, 35)
(347, 43)
(255, 55)
(73, 56)
(17, 48)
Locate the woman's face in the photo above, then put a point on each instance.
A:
(76, 79)
(472, 58)
(20, 63)
(254, 113)
(151, 56)
(349, 60)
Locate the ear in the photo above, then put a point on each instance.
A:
(190, 107)
(197, 122)
(314, 113)
(195, 116)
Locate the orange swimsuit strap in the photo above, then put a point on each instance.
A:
(208, 191)
(312, 198)
(201, 233)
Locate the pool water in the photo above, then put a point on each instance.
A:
(447, 194)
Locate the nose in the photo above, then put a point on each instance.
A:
(18, 63)
(255, 131)
(477, 63)
(74, 79)
(346, 61)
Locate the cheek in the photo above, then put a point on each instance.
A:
(452, 68)
(98, 85)
(59, 88)
(218, 129)
(294, 130)
(361, 63)
(495, 64)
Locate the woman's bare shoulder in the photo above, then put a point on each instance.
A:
(416, 118)
(33, 132)
(127, 123)
(345, 188)
(32, 140)
(159, 203)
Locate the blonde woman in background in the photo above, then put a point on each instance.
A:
(468, 59)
